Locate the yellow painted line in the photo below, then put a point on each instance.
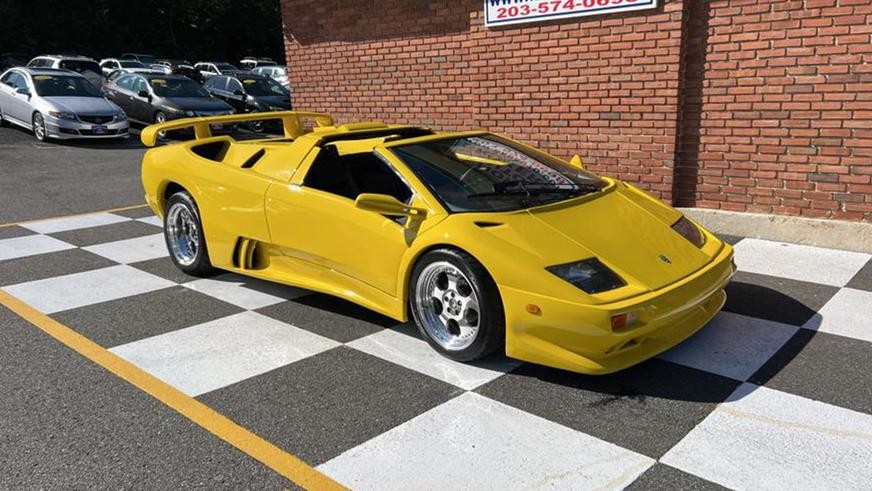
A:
(289, 466)
(111, 210)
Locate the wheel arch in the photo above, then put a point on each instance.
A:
(413, 261)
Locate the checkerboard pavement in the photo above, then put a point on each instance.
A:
(775, 393)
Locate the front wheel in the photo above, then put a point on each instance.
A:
(456, 305)
(160, 117)
(39, 130)
(183, 231)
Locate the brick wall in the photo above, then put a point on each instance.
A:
(757, 105)
(786, 123)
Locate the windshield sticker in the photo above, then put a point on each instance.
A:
(43, 77)
(158, 81)
(249, 81)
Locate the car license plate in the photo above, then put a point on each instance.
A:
(99, 130)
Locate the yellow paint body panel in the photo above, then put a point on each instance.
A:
(262, 221)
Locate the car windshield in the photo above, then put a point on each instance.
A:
(146, 59)
(177, 87)
(64, 86)
(225, 66)
(488, 173)
(260, 87)
(80, 66)
(131, 64)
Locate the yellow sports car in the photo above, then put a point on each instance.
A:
(486, 243)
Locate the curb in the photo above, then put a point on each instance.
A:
(832, 234)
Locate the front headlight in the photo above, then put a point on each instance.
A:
(119, 117)
(174, 110)
(590, 275)
(689, 231)
(62, 115)
(190, 114)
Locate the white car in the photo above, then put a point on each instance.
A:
(277, 73)
(59, 104)
(83, 65)
(109, 65)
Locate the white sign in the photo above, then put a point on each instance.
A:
(503, 12)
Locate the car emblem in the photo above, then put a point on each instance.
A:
(665, 259)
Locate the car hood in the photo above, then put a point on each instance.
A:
(275, 101)
(625, 229)
(83, 105)
(198, 103)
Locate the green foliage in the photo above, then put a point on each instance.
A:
(222, 30)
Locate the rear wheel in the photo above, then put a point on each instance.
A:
(184, 236)
(456, 305)
(39, 130)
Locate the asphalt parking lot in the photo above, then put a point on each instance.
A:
(775, 393)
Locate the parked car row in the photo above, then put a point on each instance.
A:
(69, 96)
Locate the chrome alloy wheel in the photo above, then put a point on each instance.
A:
(183, 234)
(447, 306)
(39, 127)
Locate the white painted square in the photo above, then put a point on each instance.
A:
(417, 355)
(770, 440)
(30, 245)
(732, 345)
(80, 289)
(248, 293)
(216, 354)
(472, 442)
(152, 220)
(799, 262)
(848, 313)
(132, 250)
(74, 223)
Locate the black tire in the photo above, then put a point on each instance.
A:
(491, 331)
(200, 265)
(39, 132)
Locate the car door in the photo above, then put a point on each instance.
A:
(19, 104)
(141, 105)
(235, 95)
(315, 219)
(217, 87)
(119, 92)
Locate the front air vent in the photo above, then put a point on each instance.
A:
(488, 224)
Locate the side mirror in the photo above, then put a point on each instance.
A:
(238, 92)
(576, 162)
(144, 94)
(384, 204)
(22, 91)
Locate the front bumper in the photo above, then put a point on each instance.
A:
(579, 337)
(67, 129)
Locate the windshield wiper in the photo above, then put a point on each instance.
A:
(514, 188)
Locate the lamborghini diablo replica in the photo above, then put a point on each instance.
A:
(486, 243)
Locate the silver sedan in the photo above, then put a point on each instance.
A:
(60, 104)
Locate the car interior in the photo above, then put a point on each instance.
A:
(355, 174)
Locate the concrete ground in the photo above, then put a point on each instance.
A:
(773, 393)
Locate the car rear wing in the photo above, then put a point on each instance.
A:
(291, 120)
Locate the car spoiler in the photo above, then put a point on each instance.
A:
(292, 121)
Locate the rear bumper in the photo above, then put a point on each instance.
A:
(579, 337)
